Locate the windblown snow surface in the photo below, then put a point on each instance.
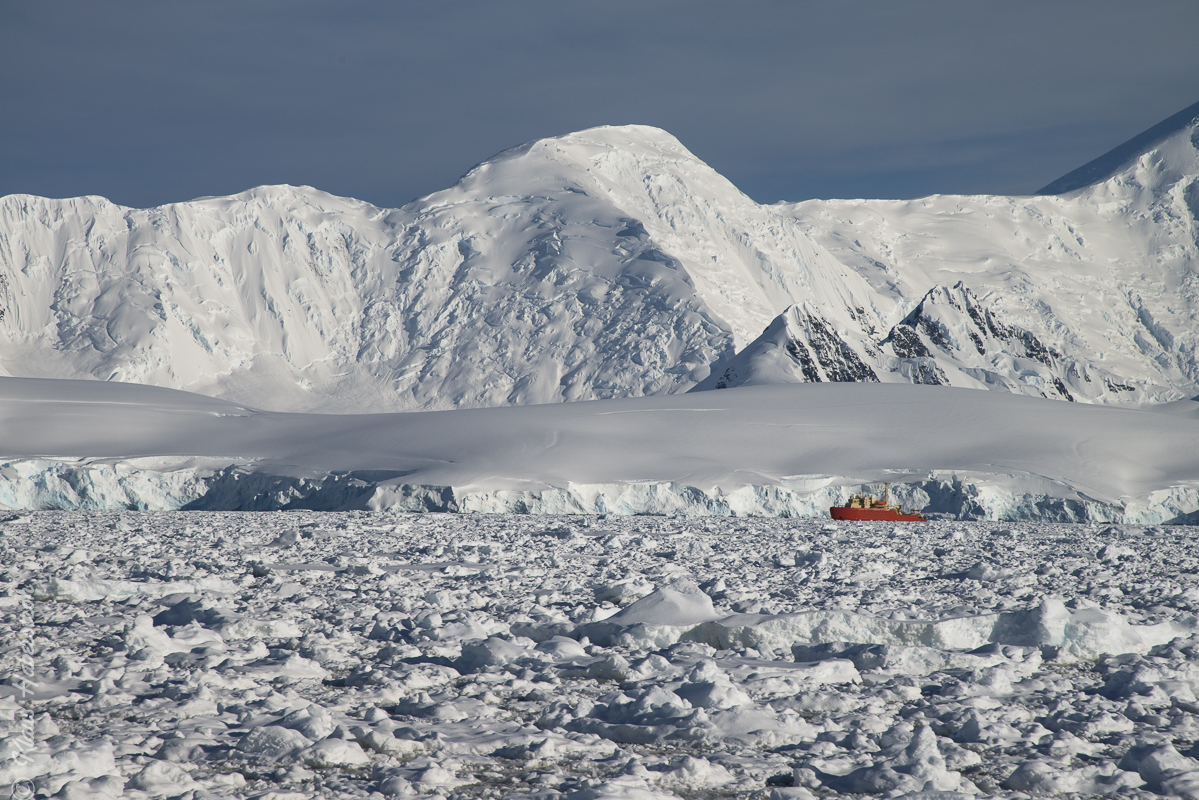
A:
(305, 655)
(790, 450)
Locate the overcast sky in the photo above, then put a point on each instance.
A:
(148, 103)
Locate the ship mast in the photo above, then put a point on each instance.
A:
(886, 494)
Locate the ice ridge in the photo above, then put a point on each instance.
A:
(1111, 162)
(611, 262)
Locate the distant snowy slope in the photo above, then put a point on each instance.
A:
(606, 263)
(1120, 156)
(1097, 289)
(612, 263)
(754, 450)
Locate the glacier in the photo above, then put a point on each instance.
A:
(612, 263)
(774, 450)
(317, 339)
(41, 485)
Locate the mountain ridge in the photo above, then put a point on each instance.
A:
(604, 263)
(1111, 162)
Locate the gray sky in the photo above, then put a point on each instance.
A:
(153, 102)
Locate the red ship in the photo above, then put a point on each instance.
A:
(865, 507)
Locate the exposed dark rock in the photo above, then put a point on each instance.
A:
(841, 364)
(906, 342)
(807, 365)
(1033, 347)
(978, 343)
(1061, 389)
(925, 371)
(936, 333)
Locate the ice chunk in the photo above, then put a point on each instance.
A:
(561, 648)
(334, 753)
(1051, 777)
(1164, 769)
(62, 761)
(164, 779)
(657, 620)
(677, 604)
(146, 643)
(437, 777)
(314, 722)
(94, 788)
(86, 590)
(491, 652)
(273, 742)
(285, 539)
(708, 687)
(914, 766)
(260, 629)
(780, 632)
(1078, 636)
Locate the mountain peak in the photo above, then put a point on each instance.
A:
(634, 138)
(630, 149)
(1111, 162)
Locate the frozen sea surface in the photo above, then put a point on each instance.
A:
(357, 654)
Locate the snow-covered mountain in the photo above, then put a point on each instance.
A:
(610, 263)
(1089, 295)
(606, 263)
(798, 346)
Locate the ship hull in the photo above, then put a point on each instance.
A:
(874, 515)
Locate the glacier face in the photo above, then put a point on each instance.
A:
(43, 485)
(609, 263)
(752, 451)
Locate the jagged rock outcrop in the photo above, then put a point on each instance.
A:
(952, 333)
(799, 346)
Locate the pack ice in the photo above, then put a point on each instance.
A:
(359, 654)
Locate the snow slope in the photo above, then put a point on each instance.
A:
(1122, 155)
(1096, 289)
(610, 263)
(767, 450)
(605, 263)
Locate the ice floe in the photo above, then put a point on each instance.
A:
(362, 654)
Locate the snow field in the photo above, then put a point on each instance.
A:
(610, 263)
(788, 451)
(361, 654)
